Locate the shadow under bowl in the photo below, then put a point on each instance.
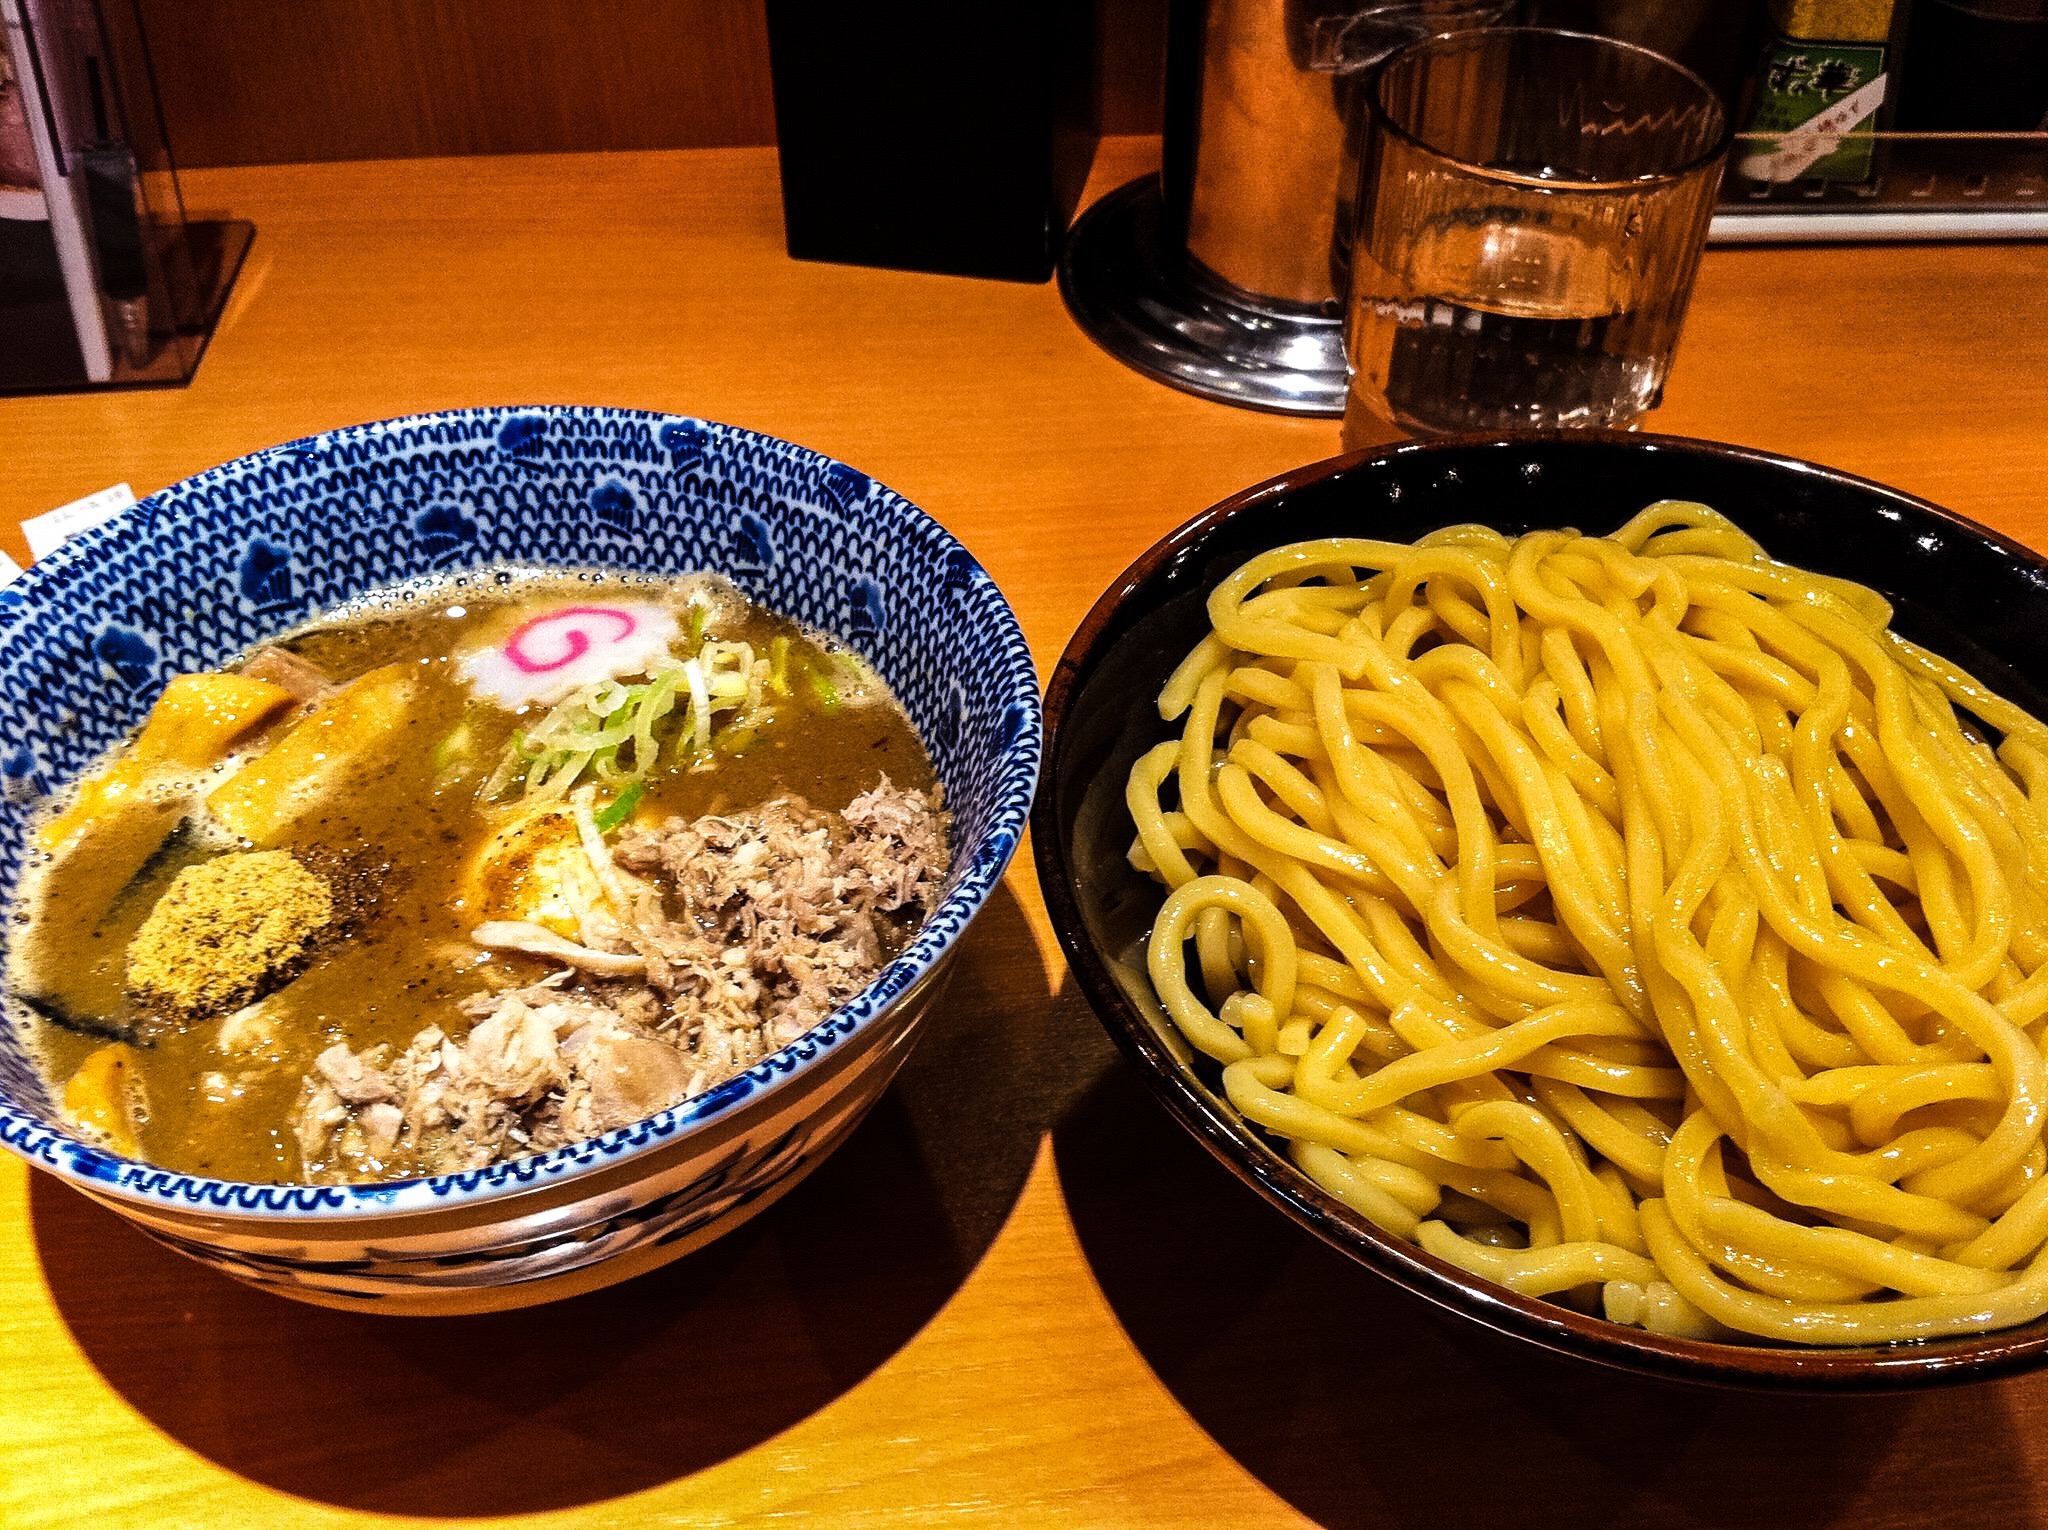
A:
(1957, 588)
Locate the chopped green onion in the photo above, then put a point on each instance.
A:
(826, 692)
(454, 748)
(700, 706)
(778, 665)
(615, 730)
(621, 807)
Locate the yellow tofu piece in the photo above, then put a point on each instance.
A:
(192, 724)
(100, 1098)
(98, 857)
(100, 801)
(268, 793)
(199, 716)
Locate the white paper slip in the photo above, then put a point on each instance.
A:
(9, 570)
(50, 530)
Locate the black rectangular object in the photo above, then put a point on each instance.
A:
(933, 136)
(38, 350)
(104, 282)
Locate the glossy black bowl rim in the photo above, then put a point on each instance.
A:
(1861, 1369)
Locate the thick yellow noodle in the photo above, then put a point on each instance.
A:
(1628, 919)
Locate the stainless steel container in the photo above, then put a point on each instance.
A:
(1217, 276)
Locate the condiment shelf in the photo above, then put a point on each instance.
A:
(1921, 186)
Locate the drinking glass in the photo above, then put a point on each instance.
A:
(1531, 209)
(1350, 47)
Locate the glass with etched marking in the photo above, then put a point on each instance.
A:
(1532, 205)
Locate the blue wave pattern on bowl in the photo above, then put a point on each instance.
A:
(198, 573)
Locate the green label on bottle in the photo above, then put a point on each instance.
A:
(1822, 97)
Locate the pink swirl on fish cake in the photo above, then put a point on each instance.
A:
(575, 644)
(556, 652)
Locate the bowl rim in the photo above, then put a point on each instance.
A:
(1761, 1367)
(152, 1189)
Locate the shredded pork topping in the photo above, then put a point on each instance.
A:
(720, 940)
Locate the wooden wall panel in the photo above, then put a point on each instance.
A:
(278, 81)
(270, 81)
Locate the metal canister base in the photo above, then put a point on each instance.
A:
(1156, 309)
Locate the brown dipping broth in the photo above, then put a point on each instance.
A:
(228, 1113)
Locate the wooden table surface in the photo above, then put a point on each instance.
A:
(1019, 1296)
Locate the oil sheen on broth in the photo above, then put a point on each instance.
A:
(397, 833)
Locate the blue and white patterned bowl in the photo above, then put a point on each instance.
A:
(199, 572)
